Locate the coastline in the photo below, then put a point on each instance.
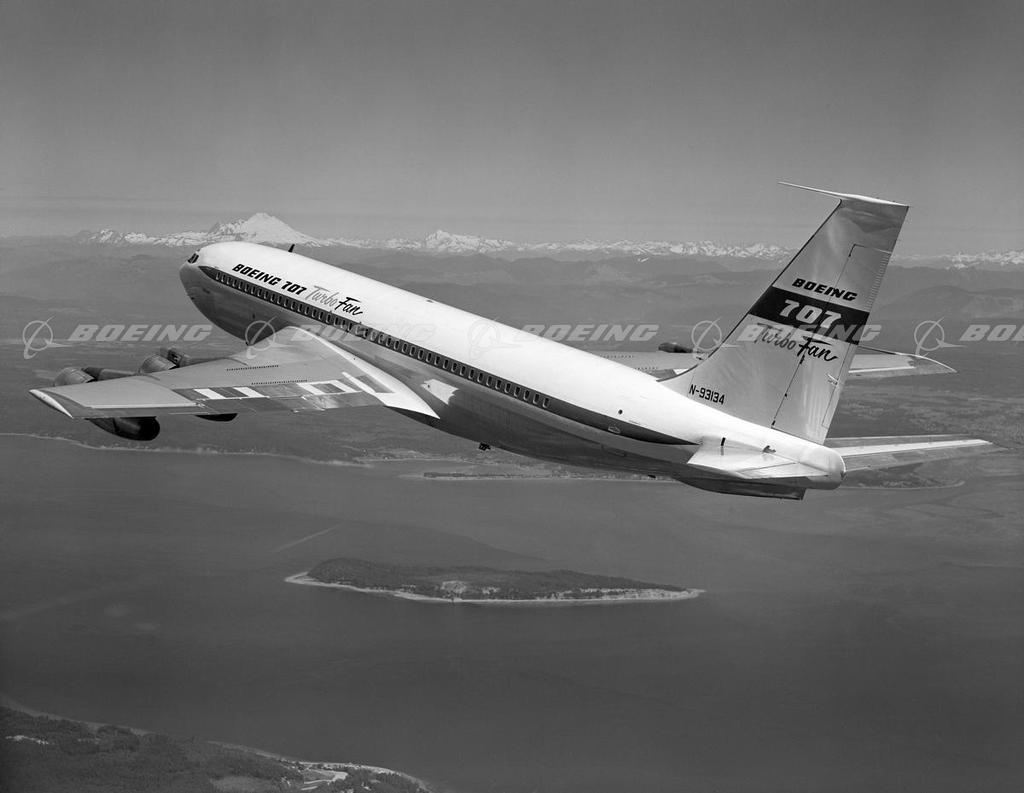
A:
(365, 462)
(432, 477)
(331, 767)
(642, 596)
(6, 701)
(198, 450)
(958, 483)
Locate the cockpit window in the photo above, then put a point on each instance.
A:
(193, 258)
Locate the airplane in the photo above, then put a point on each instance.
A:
(749, 418)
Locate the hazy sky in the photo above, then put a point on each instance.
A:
(530, 121)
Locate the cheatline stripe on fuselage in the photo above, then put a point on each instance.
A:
(559, 407)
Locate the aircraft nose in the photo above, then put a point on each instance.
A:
(187, 271)
(194, 282)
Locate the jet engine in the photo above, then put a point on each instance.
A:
(180, 358)
(97, 373)
(156, 363)
(172, 358)
(168, 358)
(134, 428)
(72, 376)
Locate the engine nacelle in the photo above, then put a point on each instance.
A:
(96, 373)
(177, 357)
(72, 376)
(134, 428)
(156, 363)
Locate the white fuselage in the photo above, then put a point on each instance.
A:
(486, 381)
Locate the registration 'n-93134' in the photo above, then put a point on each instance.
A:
(714, 397)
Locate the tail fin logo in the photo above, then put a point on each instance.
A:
(824, 289)
(832, 320)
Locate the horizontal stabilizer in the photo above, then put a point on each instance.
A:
(866, 454)
(870, 363)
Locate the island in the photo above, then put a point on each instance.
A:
(485, 585)
(42, 753)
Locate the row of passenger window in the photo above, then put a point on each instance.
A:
(276, 298)
(377, 337)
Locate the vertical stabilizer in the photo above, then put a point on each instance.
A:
(784, 364)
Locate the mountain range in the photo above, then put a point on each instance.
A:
(264, 228)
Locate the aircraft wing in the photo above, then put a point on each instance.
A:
(292, 369)
(862, 454)
(867, 363)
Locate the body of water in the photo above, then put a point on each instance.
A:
(856, 640)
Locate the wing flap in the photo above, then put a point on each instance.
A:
(292, 369)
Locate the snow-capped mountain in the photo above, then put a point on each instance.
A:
(265, 228)
(261, 227)
(989, 259)
(986, 260)
(443, 242)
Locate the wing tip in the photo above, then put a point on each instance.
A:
(49, 401)
(926, 363)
